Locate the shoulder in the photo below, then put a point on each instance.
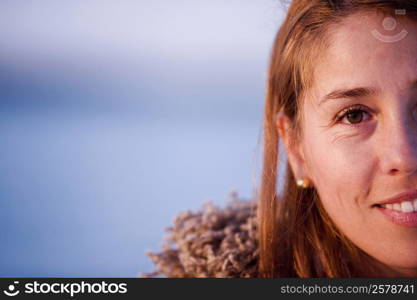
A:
(212, 242)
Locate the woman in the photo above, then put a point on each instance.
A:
(342, 96)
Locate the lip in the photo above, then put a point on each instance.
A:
(400, 218)
(408, 195)
(407, 219)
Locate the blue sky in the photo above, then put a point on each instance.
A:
(117, 115)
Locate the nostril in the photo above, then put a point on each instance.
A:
(393, 172)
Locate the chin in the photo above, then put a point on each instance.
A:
(400, 264)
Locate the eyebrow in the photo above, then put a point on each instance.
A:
(350, 93)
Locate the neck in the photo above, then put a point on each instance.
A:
(383, 270)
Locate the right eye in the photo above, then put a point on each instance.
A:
(354, 115)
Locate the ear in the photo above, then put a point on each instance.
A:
(295, 153)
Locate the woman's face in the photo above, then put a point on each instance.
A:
(364, 157)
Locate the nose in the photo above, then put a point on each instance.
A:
(400, 148)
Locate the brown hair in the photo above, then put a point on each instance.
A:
(296, 236)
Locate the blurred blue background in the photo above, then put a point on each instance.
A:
(117, 115)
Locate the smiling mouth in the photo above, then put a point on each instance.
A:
(404, 206)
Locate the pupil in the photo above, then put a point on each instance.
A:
(355, 117)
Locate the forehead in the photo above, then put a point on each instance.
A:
(357, 57)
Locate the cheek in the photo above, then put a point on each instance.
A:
(345, 177)
(342, 173)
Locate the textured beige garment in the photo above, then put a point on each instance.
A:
(213, 242)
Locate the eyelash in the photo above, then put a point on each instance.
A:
(345, 112)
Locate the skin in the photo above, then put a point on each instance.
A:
(355, 165)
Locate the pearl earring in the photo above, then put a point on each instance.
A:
(304, 183)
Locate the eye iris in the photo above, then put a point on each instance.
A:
(354, 117)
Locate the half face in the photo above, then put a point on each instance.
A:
(360, 137)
